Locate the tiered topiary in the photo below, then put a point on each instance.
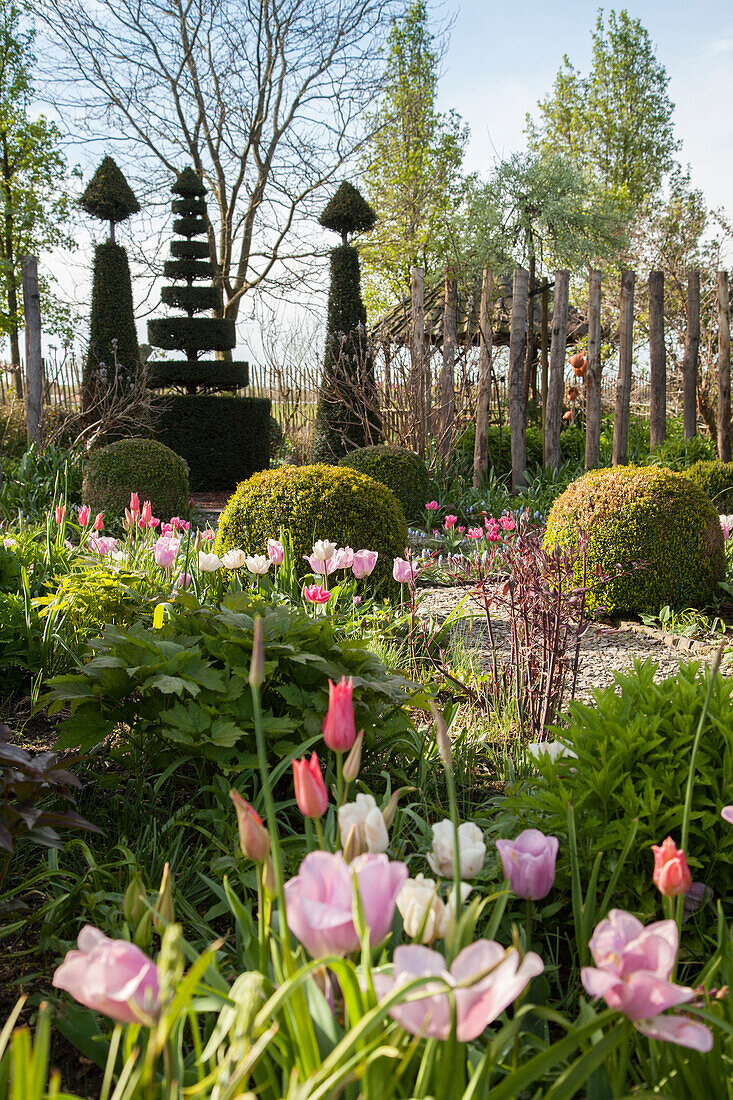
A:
(223, 439)
(652, 515)
(113, 346)
(715, 478)
(315, 502)
(142, 466)
(347, 416)
(400, 470)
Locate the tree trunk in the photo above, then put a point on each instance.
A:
(625, 364)
(517, 404)
(33, 359)
(657, 361)
(11, 276)
(417, 356)
(723, 367)
(593, 375)
(529, 361)
(447, 373)
(689, 363)
(556, 385)
(483, 392)
(543, 349)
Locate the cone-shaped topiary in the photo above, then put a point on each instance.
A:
(108, 195)
(113, 358)
(634, 515)
(348, 408)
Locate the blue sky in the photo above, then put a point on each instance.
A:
(503, 57)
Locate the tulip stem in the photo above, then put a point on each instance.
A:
(339, 778)
(528, 925)
(262, 931)
(319, 833)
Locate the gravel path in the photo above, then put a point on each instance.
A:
(604, 650)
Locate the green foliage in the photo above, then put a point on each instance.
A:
(142, 466)
(348, 212)
(633, 746)
(113, 357)
(315, 502)
(183, 689)
(108, 195)
(224, 440)
(715, 478)
(652, 515)
(204, 374)
(192, 334)
(678, 453)
(572, 448)
(188, 184)
(41, 476)
(192, 299)
(348, 412)
(400, 470)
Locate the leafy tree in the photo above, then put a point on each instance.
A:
(34, 199)
(109, 197)
(412, 168)
(615, 124)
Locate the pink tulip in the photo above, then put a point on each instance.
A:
(310, 790)
(727, 814)
(404, 571)
(632, 970)
(529, 863)
(339, 728)
(275, 551)
(314, 593)
(492, 534)
(507, 523)
(82, 515)
(474, 533)
(490, 978)
(99, 522)
(134, 504)
(110, 976)
(184, 580)
(450, 521)
(357, 601)
(364, 562)
(179, 524)
(59, 511)
(166, 551)
(671, 874)
(320, 900)
(461, 530)
(254, 839)
(432, 506)
(104, 545)
(318, 566)
(343, 558)
(207, 535)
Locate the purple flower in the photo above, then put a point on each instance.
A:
(529, 863)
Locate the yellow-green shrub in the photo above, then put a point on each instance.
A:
(314, 502)
(715, 478)
(399, 469)
(633, 514)
(136, 465)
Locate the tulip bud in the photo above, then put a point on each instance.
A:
(442, 739)
(254, 839)
(257, 665)
(310, 790)
(671, 874)
(353, 760)
(163, 915)
(134, 905)
(268, 879)
(352, 848)
(197, 543)
(339, 729)
(391, 808)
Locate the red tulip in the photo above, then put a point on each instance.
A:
(310, 790)
(339, 729)
(671, 874)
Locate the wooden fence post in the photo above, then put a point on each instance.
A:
(556, 382)
(657, 361)
(417, 360)
(689, 363)
(517, 404)
(593, 375)
(447, 373)
(544, 361)
(33, 357)
(625, 365)
(723, 367)
(483, 392)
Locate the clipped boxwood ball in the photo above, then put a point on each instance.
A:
(715, 478)
(136, 465)
(400, 470)
(650, 514)
(314, 502)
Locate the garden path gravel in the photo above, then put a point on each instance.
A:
(604, 650)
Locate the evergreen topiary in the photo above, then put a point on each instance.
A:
(113, 359)
(347, 416)
(315, 502)
(142, 466)
(641, 514)
(399, 469)
(715, 478)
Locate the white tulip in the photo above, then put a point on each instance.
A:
(233, 559)
(470, 846)
(420, 907)
(259, 564)
(553, 749)
(208, 563)
(324, 550)
(365, 817)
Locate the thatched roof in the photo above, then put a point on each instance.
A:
(395, 326)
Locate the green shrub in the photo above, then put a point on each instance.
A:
(112, 335)
(400, 470)
(642, 514)
(223, 439)
(572, 448)
(633, 746)
(715, 478)
(315, 502)
(142, 466)
(678, 453)
(183, 689)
